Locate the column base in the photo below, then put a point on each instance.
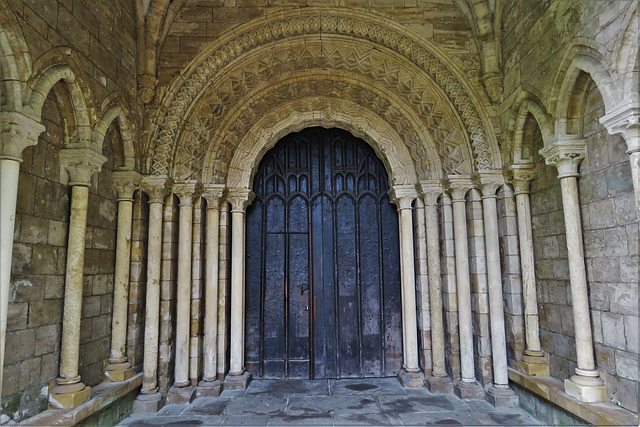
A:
(209, 388)
(119, 371)
(468, 390)
(181, 394)
(502, 396)
(145, 403)
(533, 364)
(586, 389)
(440, 384)
(68, 394)
(237, 382)
(411, 379)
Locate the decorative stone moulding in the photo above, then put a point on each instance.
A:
(78, 165)
(566, 155)
(126, 183)
(17, 132)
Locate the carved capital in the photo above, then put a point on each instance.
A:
(213, 194)
(17, 132)
(403, 196)
(625, 121)
(566, 155)
(125, 183)
(521, 177)
(430, 191)
(493, 84)
(187, 191)
(457, 186)
(488, 182)
(146, 88)
(157, 187)
(79, 165)
(240, 198)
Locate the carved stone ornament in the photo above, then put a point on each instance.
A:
(240, 198)
(17, 132)
(488, 182)
(125, 183)
(457, 186)
(213, 194)
(356, 25)
(157, 187)
(79, 165)
(566, 155)
(626, 122)
(403, 196)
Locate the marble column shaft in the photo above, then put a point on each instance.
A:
(435, 286)
(239, 199)
(17, 132)
(210, 369)
(185, 192)
(119, 367)
(156, 188)
(494, 278)
(463, 283)
(521, 182)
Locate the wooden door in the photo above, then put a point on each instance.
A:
(322, 262)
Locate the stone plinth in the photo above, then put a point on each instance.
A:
(411, 379)
(237, 382)
(209, 388)
(181, 394)
(440, 384)
(151, 402)
(502, 396)
(468, 390)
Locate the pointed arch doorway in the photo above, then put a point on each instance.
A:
(323, 296)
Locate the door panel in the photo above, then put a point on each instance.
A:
(323, 278)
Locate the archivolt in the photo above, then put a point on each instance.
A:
(378, 33)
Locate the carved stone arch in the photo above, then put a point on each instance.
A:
(527, 108)
(428, 141)
(61, 64)
(15, 61)
(116, 108)
(323, 112)
(628, 53)
(567, 93)
(249, 38)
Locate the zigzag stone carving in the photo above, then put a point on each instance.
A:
(288, 26)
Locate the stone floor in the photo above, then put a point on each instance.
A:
(371, 401)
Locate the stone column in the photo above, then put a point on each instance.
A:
(210, 385)
(119, 368)
(17, 132)
(224, 273)
(499, 394)
(403, 196)
(439, 381)
(625, 121)
(182, 390)
(150, 400)
(238, 378)
(533, 360)
(80, 164)
(422, 290)
(467, 388)
(586, 385)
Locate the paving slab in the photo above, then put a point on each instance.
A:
(257, 405)
(315, 405)
(439, 418)
(314, 420)
(246, 420)
(172, 409)
(426, 403)
(479, 405)
(175, 420)
(505, 417)
(286, 388)
(366, 420)
(375, 386)
(232, 393)
(207, 406)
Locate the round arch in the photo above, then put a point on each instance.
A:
(15, 61)
(116, 108)
(527, 106)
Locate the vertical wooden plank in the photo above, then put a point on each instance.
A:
(253, 322)
(369, 262)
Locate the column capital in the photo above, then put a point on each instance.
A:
(430, 191)
(403, 195)
(457, 186)
(157, 187)
(625, 120)
(17, 132)
(80, 164)
(239, 198)
(566, 155)
(488, 182)
(187, 191)
(520, 176)
(213, 194)
(125, 183)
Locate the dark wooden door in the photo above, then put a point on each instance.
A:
(322, 262)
